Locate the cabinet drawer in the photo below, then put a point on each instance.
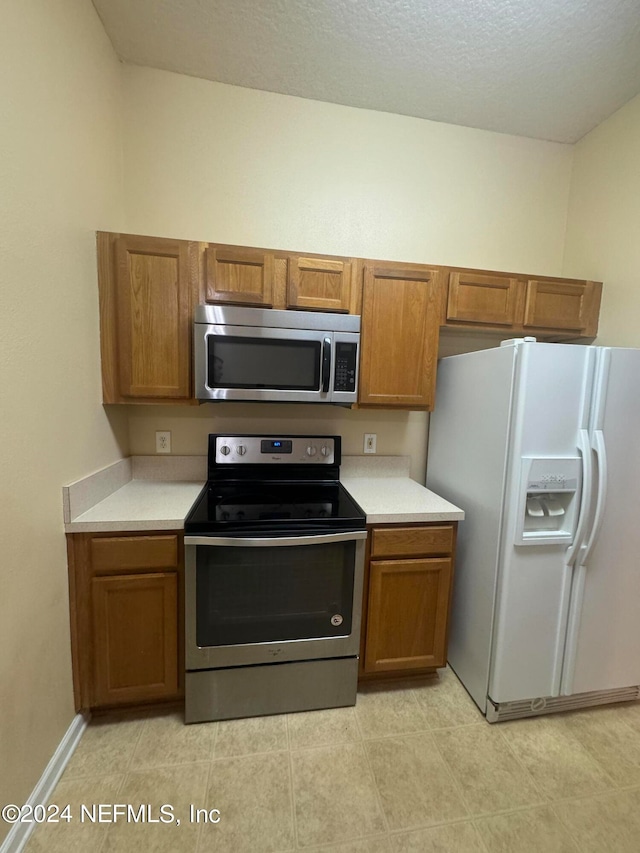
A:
(406, 541)
(122, 553)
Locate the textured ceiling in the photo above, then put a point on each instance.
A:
(548, 69)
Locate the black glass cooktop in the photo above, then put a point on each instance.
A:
(250, 507)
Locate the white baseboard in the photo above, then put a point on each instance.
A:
(20, 832)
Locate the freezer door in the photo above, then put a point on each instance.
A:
(468, 441)
(603, 644)
(551, 407)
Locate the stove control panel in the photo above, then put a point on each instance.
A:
(273, 450)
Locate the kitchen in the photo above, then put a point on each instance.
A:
(114, 147)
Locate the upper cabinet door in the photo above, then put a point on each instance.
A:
(561, 305)
(146, 320)
(400, 327)
(319, 284)
(483, 299)
(239, 276)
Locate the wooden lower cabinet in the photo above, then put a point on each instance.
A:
(126, 618)
(408, 583)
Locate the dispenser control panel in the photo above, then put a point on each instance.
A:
(549, 497)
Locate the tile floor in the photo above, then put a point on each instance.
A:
(413, 767)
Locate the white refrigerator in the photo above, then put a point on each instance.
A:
(540, 445)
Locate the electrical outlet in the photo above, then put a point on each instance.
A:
(370, 439)
(163, 441)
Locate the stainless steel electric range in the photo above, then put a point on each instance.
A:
(274, 562)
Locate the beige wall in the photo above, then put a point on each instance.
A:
(399, 433)
(603, 229)
(60, 179)
(214, 162)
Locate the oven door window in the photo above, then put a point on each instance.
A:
(261, 595)
(272, 363)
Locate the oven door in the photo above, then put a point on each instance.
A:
(266, 600)
(249, 363)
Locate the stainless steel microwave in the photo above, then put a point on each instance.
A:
(280, 356)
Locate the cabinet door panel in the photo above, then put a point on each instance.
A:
(556, 305)
(240, 276)
(483, 299)
(319, 284)
(400, 327)
(407, 614)
(153, 317)
(135, 637)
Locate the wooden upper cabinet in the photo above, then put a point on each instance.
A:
(551, 308)
(572, 306)
(483, 299)
(239, 276)
(319, 284)
(399, 343)
(145, 309)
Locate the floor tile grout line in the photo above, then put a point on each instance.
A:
(214, 740)
(235, 755)
(453, 778)
(292, 796)
(547, 798)
(593, 756)
(125, 771)
(551, 803)
(145, 720)
(363, 746)
(597, 795)
(206, 797)
(319, 848)
(544, 799)
(575, 841)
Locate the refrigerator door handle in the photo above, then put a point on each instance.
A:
(584, 448)
(601, 456)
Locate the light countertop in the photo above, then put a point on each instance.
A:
(393, 500)
(139, 505)
(145, 493)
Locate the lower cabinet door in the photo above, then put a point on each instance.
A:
(135, 637)
(407, 614)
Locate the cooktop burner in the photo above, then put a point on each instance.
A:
(252, 491)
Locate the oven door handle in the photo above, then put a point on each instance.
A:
(275, 541)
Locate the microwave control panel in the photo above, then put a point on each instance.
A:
(345, 369)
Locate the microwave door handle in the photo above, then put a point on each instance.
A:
(326, 364)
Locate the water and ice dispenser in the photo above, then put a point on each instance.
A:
(548, 502)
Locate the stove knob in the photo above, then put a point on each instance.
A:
(240, 515)
(225, 516)
(325, 450)
(241, 450)
(311, 450)
(225, 450)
